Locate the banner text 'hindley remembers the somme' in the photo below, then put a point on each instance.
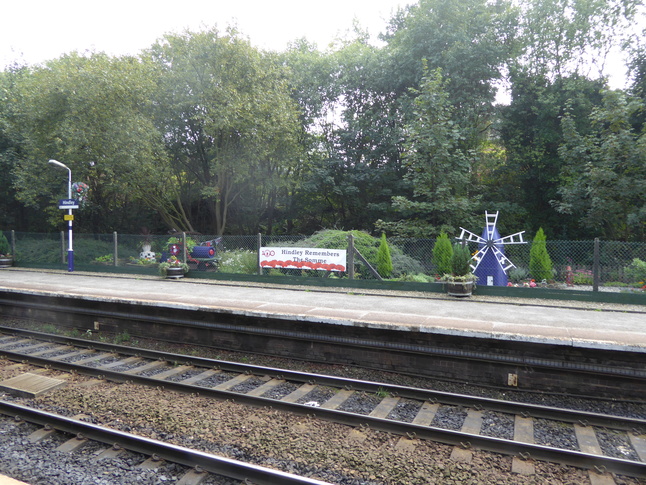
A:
(303, 258)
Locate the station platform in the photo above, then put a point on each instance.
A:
(601, 326)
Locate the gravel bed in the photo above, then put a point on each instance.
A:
(248, 385)
(360, 403)
(216, 379)
(497, 425)
(616, 444)
(405, 411)
(552, 433)
(102, 362)
(317, 396)
(449, 417)
(281, 390)
(185, 375)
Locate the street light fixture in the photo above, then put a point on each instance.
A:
(70, 249)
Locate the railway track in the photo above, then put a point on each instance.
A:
(158, 452)
(410, 412)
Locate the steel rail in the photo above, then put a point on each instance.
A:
(173, 453)
(510, 407)
(629, 373)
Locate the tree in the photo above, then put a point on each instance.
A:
(438, 161)
(384, 261)
(603, 181)
(230, 124)
(540, 264)
(442, 255)
(530, 131)
(92, 114)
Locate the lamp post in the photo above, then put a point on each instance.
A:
(70, 249)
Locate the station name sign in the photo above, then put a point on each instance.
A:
(68, 204)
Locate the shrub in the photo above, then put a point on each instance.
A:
(582, 277)
(239, 261)
(461, 261)
(636, 270)
(442, 254)
(384, 261)
(518, 274)
(367, 245)
(5, 248)
(540, 264)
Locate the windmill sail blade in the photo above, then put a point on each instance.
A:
(504, 263)
(516, 238)
(491, 224)
(472, 236)
(477, 257)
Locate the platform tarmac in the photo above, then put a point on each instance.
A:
(592, 326)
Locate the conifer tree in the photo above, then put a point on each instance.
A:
(442, 255)
(540, 264)
(384, 260)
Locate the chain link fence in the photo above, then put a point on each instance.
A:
(612, 262)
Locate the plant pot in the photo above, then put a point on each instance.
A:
(175, 273)
(6, 261)
(459, 288)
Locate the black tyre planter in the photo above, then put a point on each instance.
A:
(6, 262)
(174, 273)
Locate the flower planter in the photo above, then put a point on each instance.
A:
(6, 261)
(459, 288)
(175, 273)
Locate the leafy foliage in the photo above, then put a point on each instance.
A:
(637, 270)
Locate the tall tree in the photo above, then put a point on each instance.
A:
(604, 177)
(438, 160)
(230, 125)
(92, 114)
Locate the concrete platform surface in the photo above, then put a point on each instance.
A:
(587, 328)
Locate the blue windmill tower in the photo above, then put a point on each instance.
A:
(490, 264)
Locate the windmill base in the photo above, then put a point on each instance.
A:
(459, 288)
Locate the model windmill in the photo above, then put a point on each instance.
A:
(490, 264)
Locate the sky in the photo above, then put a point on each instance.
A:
(34, 31)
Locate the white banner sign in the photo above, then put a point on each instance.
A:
(304, 258)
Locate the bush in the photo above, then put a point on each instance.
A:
(636, 271)
(461, 261)
(5, 248)
(540, 264)
(367, 245)
(239, 261)
(518, 274)
(384, 261)
(442, 255)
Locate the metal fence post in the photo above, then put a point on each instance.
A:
(258, 252)
(595, 266)
(116, 250)
(13, 243)
(350, 256)
(185, 249)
